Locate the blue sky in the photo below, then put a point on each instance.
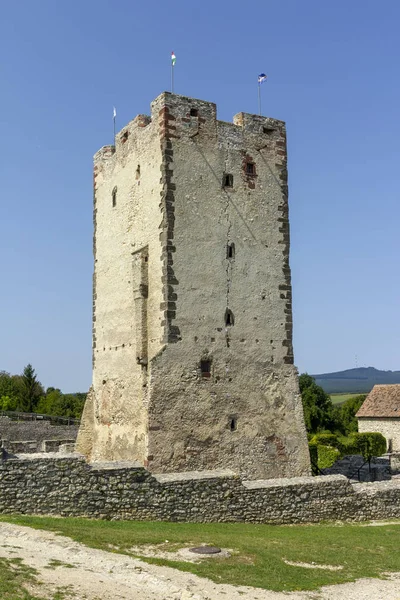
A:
(333, 76)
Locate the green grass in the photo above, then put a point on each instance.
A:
(259, 550)
(54, 563)
(17, 582)
(340, 398)
(14, 575)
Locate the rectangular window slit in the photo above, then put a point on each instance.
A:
(227, 180)
(205, 368)
(230, 250)
(250, 168)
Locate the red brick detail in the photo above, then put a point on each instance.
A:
(249, 177)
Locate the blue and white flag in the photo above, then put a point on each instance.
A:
(262, 77)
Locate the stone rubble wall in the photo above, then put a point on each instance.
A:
(66, 485)
(35, 430)
(356, 468)
(34, 446)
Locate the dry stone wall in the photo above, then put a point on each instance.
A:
(35, 430)
(68, 486)
(34, 436)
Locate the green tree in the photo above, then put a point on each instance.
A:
(317, 406)
(9, 388)
(369, 444)
(49, 403)
(7, 403)
(347, 413)
(32, 389)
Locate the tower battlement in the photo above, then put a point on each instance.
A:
(192, 314)
(176, 117)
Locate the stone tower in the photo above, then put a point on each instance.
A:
(192, 326)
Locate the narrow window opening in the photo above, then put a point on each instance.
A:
(138, 172)
(194, 112)
(227, 180)
(233, 424)
(114, 196)
(230, 250)
(250, 168)
(205, 368)
(268, 130)
(124, 137)
(229, 318)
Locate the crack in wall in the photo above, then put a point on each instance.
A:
(228, 268)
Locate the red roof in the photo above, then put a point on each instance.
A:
(383, 401)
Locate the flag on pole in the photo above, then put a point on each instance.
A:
(114, 112)
(262, 77)
(173, 59)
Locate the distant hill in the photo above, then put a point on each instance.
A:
(357, 381)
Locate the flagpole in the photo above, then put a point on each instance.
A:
(259, 98)
(114, 127)
(173, 59)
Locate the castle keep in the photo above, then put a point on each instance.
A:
(192, 315)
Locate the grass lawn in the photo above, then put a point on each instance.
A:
(339, 398)
(14, 576)
(259, 551)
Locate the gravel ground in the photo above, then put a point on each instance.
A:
(100, 575)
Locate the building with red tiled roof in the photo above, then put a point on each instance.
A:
(381, 412)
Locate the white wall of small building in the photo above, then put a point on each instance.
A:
(389, 428)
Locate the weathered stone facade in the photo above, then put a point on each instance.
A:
(192, 318)
(68, 486)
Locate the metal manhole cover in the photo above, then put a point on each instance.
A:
(206, 550)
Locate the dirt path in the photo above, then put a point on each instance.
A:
(98, 575)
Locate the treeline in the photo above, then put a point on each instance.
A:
(333, 430)
(25, 393)
(321, 415)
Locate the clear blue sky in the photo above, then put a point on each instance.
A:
(333, 76)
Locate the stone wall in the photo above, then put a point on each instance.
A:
(356, 468)
(34, 431)
(68, 486)
(34, 446)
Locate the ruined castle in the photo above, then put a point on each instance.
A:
(192, 314)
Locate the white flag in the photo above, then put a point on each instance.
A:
(114, 112)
